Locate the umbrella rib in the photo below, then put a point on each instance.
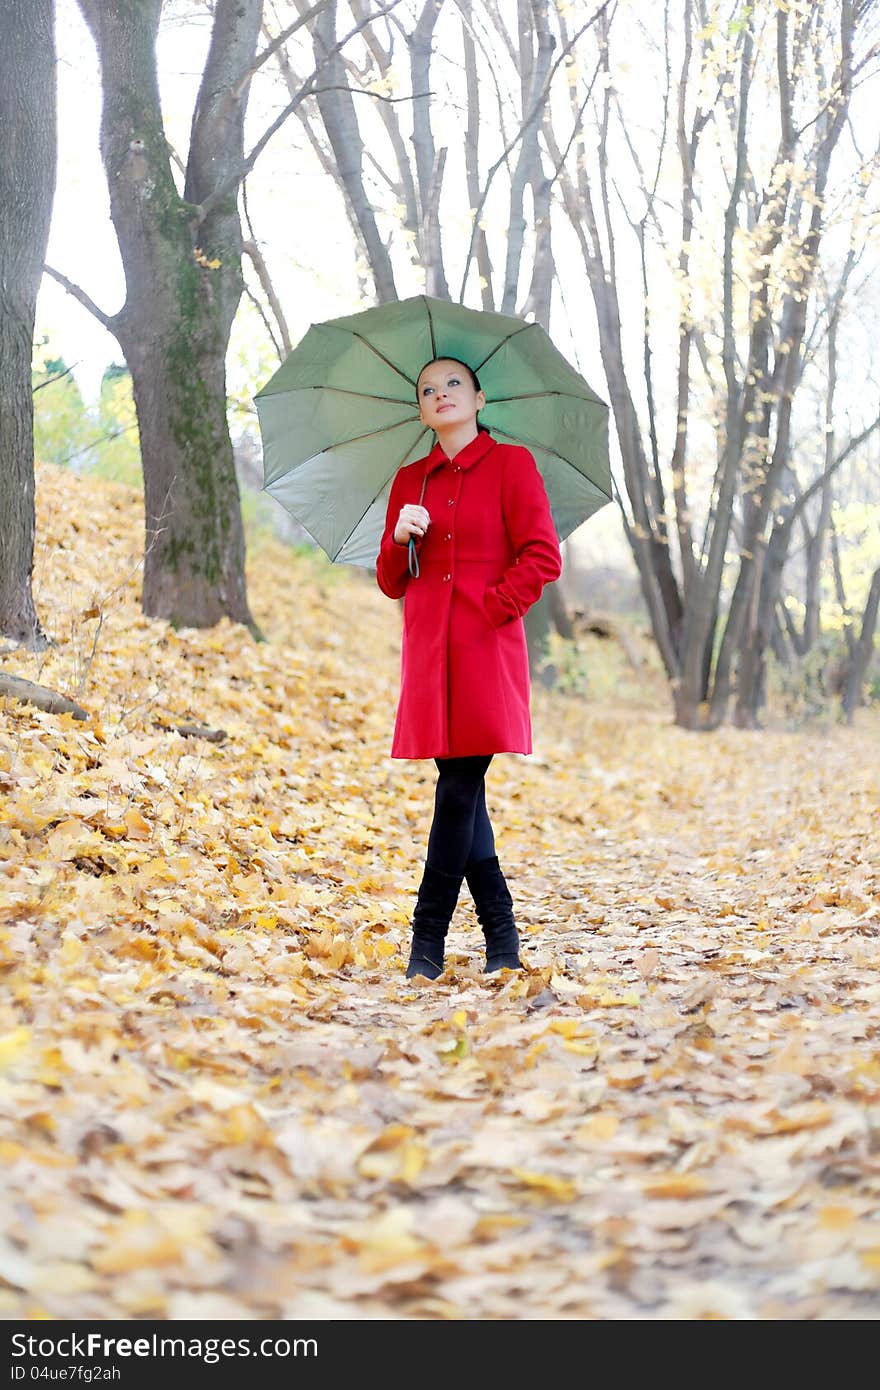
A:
(344, 391)
(356, 439)
(406, 451)
(498, 346)
(518, 439)
(430, 326)
(538, 395)
(366, 342)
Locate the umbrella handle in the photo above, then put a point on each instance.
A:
(413, 559)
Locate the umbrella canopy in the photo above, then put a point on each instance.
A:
(339, 417)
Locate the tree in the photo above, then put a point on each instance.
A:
(62, 427)
(27, 186)
(181, 253)
(862, 650)
(116, 453)
(181, 249)
(742, 324)
(386, 156)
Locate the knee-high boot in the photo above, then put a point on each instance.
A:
(438, 894)
(494, 907)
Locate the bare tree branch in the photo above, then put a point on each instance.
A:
(538, 104)
(281, 39)
(365, 92)
(251, 249)
(28, 693)
(57, 377)
(472, 150)
(108, 320)
(429, 169)
(230, 184)
(258, 305)
(832, 468)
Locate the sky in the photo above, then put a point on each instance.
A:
(300, 221)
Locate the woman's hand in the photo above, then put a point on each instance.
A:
(413, 521)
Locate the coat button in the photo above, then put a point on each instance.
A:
(446, 578)
(458, 468)
(449, 535)
(451, 502)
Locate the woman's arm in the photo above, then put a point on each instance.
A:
(533, 536)
(392, 562)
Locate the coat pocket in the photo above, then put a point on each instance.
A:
(496, 613)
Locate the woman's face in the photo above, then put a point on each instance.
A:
(447, 396)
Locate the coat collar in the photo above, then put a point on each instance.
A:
(466, 457)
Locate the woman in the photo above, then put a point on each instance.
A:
(485, 546)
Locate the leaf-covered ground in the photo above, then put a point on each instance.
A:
(221, 1098)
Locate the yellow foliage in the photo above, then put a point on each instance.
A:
(220, 1097)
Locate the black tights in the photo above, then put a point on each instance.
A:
(461, 832)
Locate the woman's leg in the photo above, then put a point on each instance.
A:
(483, 842)
(460, 817)
(456, 799)
(491, 895)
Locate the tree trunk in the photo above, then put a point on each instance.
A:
(863, 650)
(840, 594)
(816, 545)
(785, 379)
(336, 106)
(429, 162)
(536, 43)
(537, 623)
(183, 283)
(472, 152)
(780, 640)
(27, 186)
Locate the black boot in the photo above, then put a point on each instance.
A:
(495, 914)
(438, 894)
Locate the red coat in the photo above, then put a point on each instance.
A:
(487, 554)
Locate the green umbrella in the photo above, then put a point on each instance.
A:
(339, 417)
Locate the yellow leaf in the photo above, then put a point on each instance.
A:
(393, 1157)
(414, 1156)
(13, 1045)
(42, 1122)
(561, 1188)
(385, 1241)
(601, 1126)
(568, 1027)
(71, 839)
(242, 1125)
(52, 1068)
(616, 1001)
(626, 1076)
(835, 1218)
(63, 1277)
(676, 1185)
(137, 827)
(136, 1243)
(492, 1224)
